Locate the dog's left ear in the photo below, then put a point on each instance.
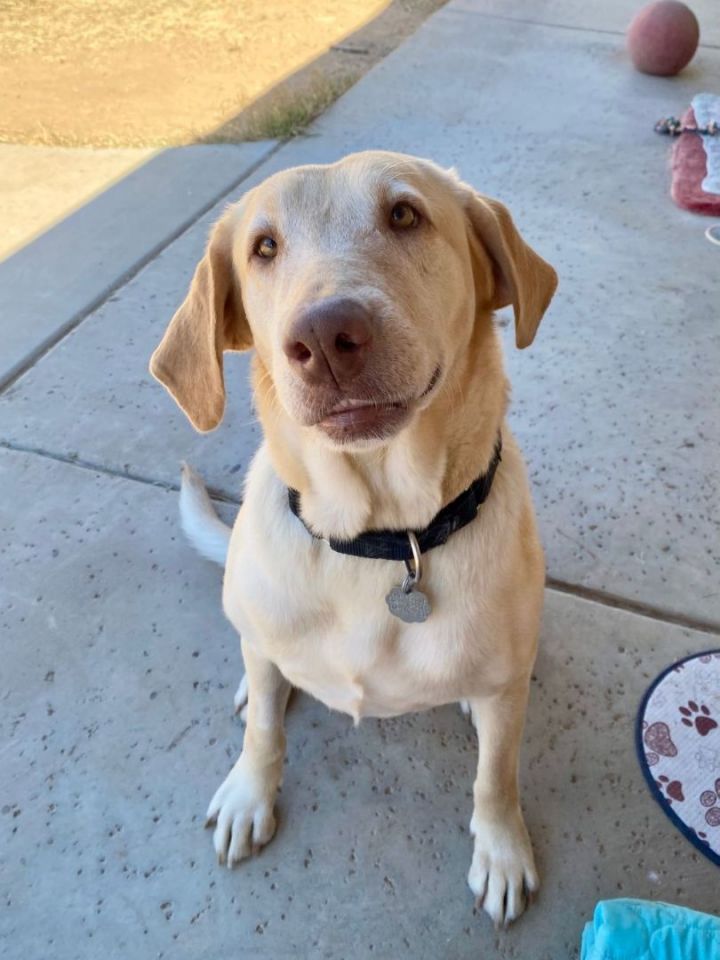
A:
(521, 276)
(211, 319)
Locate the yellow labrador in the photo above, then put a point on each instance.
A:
(366, 289)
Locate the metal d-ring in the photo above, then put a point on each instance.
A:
(414, 566)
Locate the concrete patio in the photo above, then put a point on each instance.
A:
(118, 667)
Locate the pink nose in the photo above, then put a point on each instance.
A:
(329, 343)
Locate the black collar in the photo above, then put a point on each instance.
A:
(394, 544)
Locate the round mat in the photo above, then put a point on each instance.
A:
(678, 742)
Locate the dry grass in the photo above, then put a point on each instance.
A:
(115, 73)
(133, 73)
(287, 115)
(51, 29)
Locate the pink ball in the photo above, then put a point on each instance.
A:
(663, 38)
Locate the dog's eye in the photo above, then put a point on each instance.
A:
(266, 248)
(403, 217)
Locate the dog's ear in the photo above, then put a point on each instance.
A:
(521, 276)
(189, 359)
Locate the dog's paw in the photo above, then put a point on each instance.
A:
(502, 874)
(242, 811)
(241, 698)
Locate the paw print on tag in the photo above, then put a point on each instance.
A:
(672, 788)
(698, 717)
(711, 800)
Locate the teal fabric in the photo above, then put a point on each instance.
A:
(641, 930)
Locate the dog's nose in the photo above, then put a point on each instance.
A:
(330, 341)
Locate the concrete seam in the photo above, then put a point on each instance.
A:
(123, 279)
(636, 607)
(593, 595)
(109, 472)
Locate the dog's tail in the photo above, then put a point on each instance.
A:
(201, 524)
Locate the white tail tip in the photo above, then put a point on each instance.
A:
(201, 524)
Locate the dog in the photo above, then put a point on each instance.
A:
(385, 558)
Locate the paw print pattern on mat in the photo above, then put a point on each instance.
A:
(707, 759)
(711, 800)
(699, 717)
(672, 788)
(658, 740)
(678, 741)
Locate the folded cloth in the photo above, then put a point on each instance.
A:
(690, 171)
(643, 930)
(706, 107)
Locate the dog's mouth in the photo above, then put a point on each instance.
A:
(368, 419)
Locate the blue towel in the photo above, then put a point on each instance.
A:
(641, 930)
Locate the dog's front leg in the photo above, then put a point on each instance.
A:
(242, 808)
(502, 874)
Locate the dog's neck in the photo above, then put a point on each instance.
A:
(406, 482)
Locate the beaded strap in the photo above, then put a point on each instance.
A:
(673, 127)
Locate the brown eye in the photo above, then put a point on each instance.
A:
(266, 248)
(403, 217)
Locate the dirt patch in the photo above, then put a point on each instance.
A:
(123, 73)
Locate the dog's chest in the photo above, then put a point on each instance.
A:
(328, 628)
(333, 636)
(322, 617)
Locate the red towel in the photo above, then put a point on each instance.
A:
(689, 169)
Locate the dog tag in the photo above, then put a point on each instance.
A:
(409, 605)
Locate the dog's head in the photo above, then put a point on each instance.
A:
(359, 285)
